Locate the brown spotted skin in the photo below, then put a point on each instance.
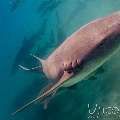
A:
(76, 47)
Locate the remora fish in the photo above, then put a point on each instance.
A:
(80, 49)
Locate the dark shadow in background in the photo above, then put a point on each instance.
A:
(23, 55)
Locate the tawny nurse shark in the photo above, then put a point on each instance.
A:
(61, 65)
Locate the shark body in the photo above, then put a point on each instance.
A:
(61, 65)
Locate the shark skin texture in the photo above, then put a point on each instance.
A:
(61, 65)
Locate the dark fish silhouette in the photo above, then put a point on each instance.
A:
(27, 45)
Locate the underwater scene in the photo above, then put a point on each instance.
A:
(38, 27)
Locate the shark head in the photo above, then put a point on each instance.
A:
(51, 70)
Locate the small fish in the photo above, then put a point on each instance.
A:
(76, 51)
